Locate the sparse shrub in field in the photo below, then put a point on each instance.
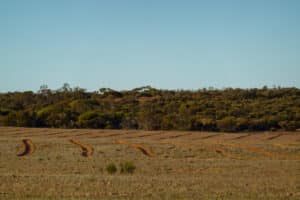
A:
(111, 168)
(127, 167)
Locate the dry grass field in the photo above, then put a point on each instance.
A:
(71, 164)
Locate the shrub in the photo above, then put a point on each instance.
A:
(127, 167)
(289, 125)
(111, 168)
(227, 124)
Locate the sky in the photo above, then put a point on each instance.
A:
(168, 44)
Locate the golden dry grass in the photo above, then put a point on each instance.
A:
(169, 165)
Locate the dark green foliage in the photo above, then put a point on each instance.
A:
(10, 119)
(90, 119)
(127, 167)
(227, 124)
(289, 125)
(4, 112)
(25, 119)
(111, 168)
(228, 110)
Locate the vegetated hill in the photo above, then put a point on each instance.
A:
(147, 108)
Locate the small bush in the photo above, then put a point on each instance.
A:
(127, 167)
(111, 168)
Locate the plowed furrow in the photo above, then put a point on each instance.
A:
(142, 136)
(274, 137)
(86, 150)
(141, 148)
(28, 147)
(242, 137)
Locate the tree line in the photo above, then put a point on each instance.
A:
(147, 108)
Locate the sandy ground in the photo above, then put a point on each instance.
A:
(169, 165)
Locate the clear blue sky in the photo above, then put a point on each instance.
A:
(163, 43)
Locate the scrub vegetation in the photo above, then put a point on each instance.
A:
(147, 108)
